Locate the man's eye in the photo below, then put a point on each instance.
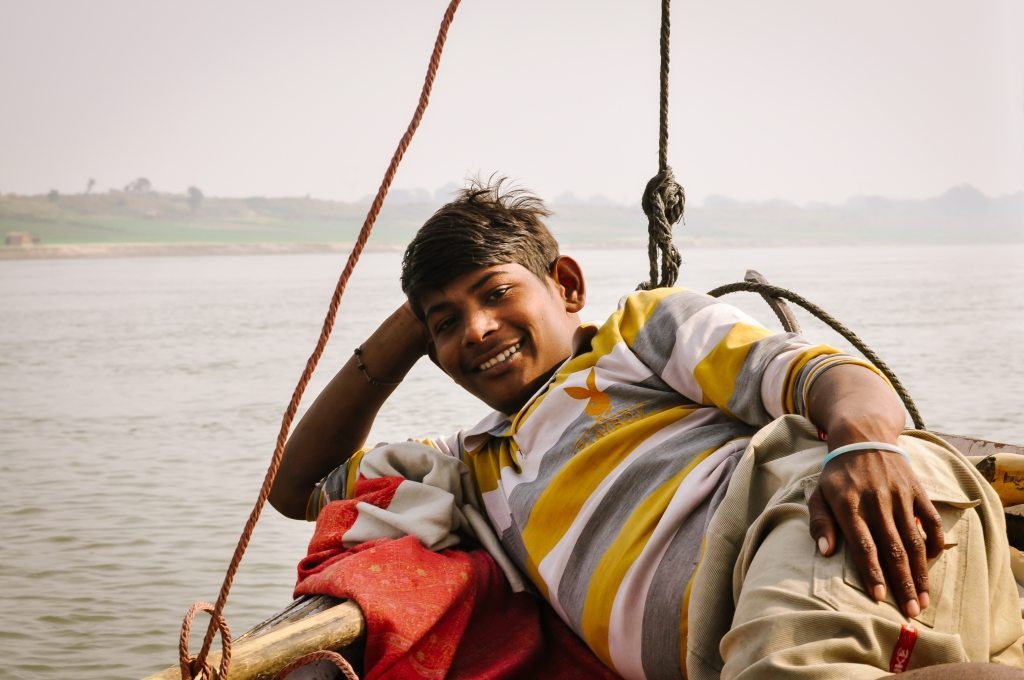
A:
(499, 293)
(443, 325)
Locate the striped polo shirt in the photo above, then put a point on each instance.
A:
(601, 487)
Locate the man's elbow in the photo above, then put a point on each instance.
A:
(290, 502)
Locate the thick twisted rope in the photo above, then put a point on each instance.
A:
(314, 359)
(196, 667)
(664, 199)
(834, 324)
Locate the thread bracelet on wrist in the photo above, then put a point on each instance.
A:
(358, 352)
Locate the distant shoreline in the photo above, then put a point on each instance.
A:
(119, 250)
(115, 250)
(108, 250)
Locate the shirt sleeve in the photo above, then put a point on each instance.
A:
(715, 354)
(339, 483)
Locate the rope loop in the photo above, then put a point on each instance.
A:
(321, 655)
(194, 668)
(663, 202)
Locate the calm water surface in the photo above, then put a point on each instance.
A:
(142, 397)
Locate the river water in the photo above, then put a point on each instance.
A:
(141, 398)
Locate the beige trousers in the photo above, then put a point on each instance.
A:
(795, 614)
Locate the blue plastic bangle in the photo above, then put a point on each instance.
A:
(864, 446)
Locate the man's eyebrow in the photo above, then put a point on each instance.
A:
(436, 307)
(482, 281)
(474, 287)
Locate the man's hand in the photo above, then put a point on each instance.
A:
(872, 498)
(890, 526)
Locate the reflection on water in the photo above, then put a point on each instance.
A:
(142, 397)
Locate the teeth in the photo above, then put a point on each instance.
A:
(494, 361)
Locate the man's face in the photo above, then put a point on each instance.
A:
(500, 331)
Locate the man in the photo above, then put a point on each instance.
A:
(609, 455)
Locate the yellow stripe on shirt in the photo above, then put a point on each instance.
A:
(488, 460)
(620, 556)
(717, 371)
(557, 508)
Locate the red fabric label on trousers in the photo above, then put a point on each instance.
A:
(900, 658)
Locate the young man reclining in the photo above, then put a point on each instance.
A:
(605, 470)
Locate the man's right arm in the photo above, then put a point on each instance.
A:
(338, 422)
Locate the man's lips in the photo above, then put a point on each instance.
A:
(500, 358)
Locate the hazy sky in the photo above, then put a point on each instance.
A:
(803, 100)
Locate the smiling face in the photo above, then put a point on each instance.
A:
(501, 331)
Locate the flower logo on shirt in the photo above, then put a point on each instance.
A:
(598, 403)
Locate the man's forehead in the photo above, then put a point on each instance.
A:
(470, 282)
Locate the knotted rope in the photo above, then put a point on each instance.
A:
(664, 199)
(189, 667)
(196, 667)
(834, 324)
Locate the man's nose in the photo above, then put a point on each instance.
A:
(479, 324)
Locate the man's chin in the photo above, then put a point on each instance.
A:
(512, 403)
(509, 398)
(506, 401)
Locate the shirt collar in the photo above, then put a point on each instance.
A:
(495, 424)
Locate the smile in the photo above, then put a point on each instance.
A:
(500, 358)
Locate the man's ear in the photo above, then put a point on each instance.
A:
(568, 276)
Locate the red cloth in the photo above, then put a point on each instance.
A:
(439, 615)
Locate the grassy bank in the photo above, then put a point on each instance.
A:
(960, 215)
(124, 217)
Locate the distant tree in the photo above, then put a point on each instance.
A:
(53, 196)
(195, 198)
(139, 186)
(89, 185)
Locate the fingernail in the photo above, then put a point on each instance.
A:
(823, 545)
(913, 609)
(878, 592)
(923, 599)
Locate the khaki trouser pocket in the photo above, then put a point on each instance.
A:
(837, 580)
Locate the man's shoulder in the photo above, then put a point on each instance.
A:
(646, 302)
(658, 310)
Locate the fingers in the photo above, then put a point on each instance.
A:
(888, 545)
(931, 525)
(913, 583)
(823, 526)
(861, 545)
(885, 556)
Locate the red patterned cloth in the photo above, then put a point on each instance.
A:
(447, 614)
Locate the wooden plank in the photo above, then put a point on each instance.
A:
(300, 608)
(262, 656)
(974, 447)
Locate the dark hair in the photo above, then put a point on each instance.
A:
(485, 225)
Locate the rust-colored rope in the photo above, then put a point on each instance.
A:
(289, 415)
(321, 655)
(193, 667)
